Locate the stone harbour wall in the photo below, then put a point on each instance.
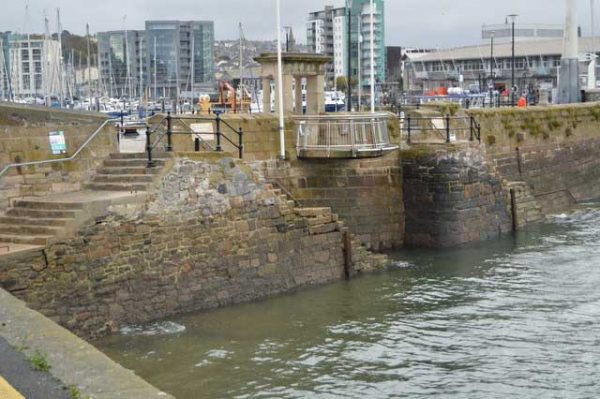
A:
(452, 197)
(366, 193)
(211, 236)
(554, 150)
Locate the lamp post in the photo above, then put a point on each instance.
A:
(372, 57)
(280, 84)
(492, 70)
(513, 17)
(349, 78)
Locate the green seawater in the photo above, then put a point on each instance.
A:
(517, 317)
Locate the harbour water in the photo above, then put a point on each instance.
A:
(517, 317)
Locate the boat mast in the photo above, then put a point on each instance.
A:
(242, 69)
(127, 65)
(89, 69)
(60, 58)
(46, 66)
(141, 73)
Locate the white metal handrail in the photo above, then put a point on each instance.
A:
(343, 132)
(59, 160)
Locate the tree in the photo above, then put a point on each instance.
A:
(341, 83)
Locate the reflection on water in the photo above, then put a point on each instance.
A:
(513, 318)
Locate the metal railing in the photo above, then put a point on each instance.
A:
(447, 129)
(164, 128)
(59, 160)
(353, 133)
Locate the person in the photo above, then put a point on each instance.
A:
(522, 102)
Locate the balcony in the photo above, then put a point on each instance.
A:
(343, 136)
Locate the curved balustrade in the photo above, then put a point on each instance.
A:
(343, 136)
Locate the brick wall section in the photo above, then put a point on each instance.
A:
(451, 197)
(365, 193)
(24, 138)
(554, 150)
(212, 236)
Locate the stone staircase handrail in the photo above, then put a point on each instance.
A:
(60, 160)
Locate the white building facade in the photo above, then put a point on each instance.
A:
(35, 68)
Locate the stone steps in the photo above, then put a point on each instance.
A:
(57, 222)
(140, 155)
(127, 187)
(122, 178)
(42, 213)
(51, 205)
(134, 170)
(127, 172)
(33, 230)
(25, 239)
(135, 162)
(34, 221)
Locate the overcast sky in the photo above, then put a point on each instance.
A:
(425, 23)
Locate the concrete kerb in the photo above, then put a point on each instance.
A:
(74, 362)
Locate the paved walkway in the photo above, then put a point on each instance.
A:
(18, 380)
(73, 361)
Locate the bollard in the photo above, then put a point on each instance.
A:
(447, 128)
(197, 144)
(218, 123)
(169, 133)
(241, 143)
(471, 138)
(149, 147)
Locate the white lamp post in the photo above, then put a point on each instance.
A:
(280, 84)
(372, 57)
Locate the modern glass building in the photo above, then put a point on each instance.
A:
(176, 57)
(119, 56)
(180, 56)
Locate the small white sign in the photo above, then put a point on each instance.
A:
(204, 131)
(58, 145)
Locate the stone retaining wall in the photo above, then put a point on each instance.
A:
(552, 149)
(367, 194)
(212, 236)
(452, 197)
(24, 138)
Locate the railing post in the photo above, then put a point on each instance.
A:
(479, 133)
(241, 142)
(218, 123)
(169, 132)
(149, 147)
(472, 132)
(408, 122)
(197, 144)
(373, 135)
(122, 122)
(448, 128)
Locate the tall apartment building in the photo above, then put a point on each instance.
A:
(171, 54)
(327, 33)
(32, 67)
(120, 54)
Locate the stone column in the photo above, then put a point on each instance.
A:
(315, 94)
(266, 101)
(288, 99)
(299, 107)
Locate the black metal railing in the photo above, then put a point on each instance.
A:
(164, 128)
(443, 128)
